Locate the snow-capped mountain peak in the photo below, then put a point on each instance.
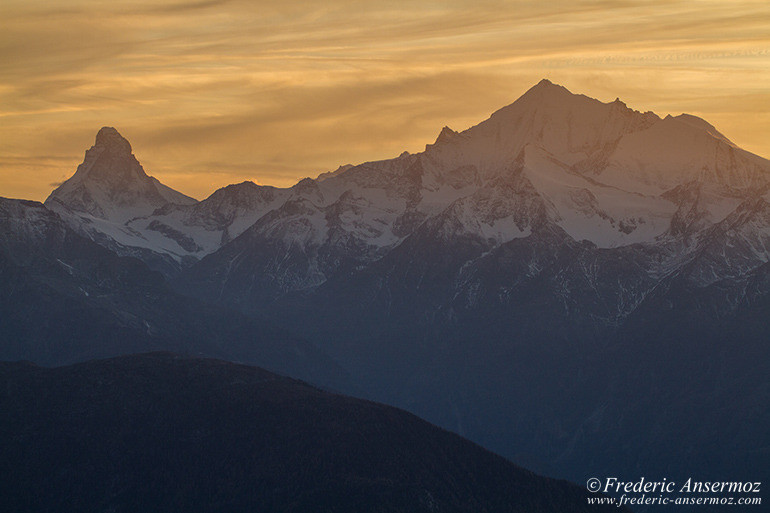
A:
(108, 190)
(111, 184)
(600, 172)
(575, 129)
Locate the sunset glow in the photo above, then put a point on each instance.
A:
(215, 92)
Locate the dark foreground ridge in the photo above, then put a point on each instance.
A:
(159, 432)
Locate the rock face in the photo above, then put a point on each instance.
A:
(111, 185)
(186, 435)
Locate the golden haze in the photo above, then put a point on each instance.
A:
(212, 92)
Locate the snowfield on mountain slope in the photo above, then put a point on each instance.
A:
(605, 173)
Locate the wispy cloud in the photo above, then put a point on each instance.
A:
(216, 90)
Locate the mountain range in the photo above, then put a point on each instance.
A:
(68, 299)
(576, 285)
(549, 158)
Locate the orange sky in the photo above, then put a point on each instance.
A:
(212, 92)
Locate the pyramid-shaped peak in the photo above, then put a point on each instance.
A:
(446, 135)
(544, 93)
(111, 184)
(545, 86)
(110, 139)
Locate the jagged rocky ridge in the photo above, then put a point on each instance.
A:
(566, 272)
(588, 166)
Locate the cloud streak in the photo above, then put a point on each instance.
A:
(213, 91)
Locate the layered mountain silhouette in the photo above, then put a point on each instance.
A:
(160, 432)
(576, 285)
(67, 299)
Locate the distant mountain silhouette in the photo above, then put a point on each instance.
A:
(157, 432)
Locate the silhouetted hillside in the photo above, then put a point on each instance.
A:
(158, 432)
